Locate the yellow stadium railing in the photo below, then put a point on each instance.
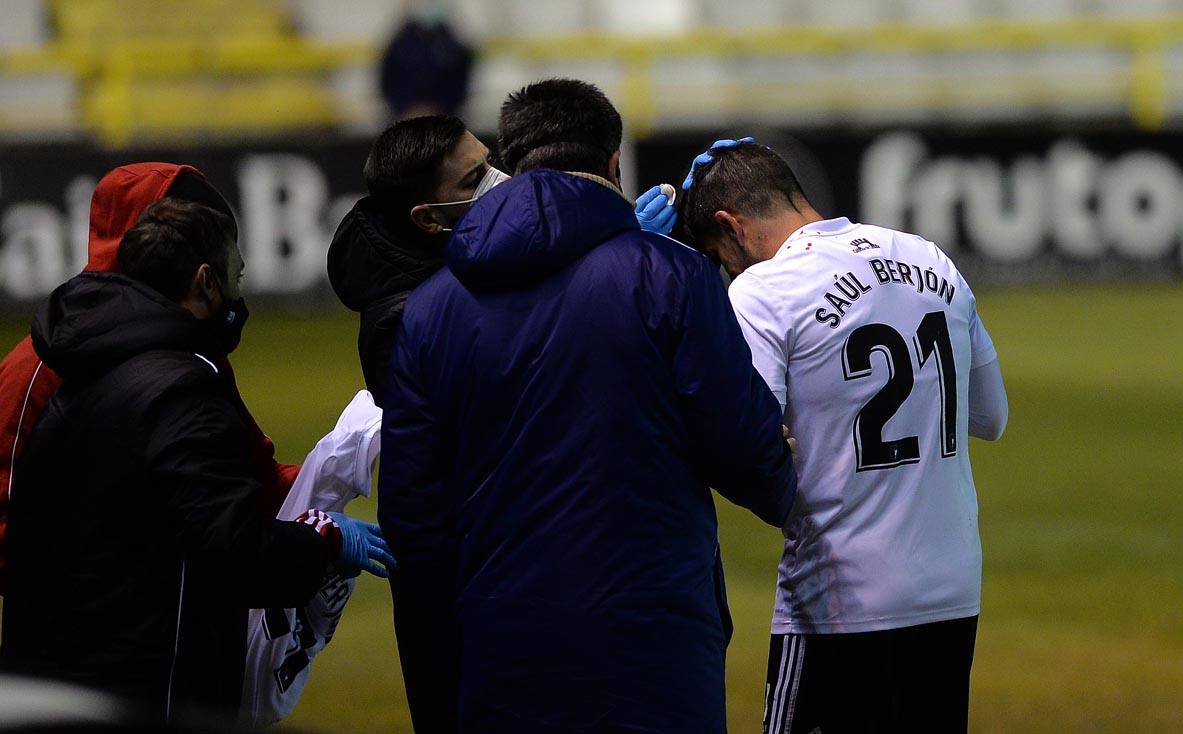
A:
(266, 80)
(173, 90)
(1146, 40)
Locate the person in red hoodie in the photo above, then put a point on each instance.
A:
(26, 385)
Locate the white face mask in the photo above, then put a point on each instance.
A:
(492, 178)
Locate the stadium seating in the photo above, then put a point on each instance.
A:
(39, 102)
(24, 25)
(142, 71)
(151, 70)
(369, 21)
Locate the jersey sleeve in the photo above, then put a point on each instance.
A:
(981, 346)
(767, 335)
(988, 407)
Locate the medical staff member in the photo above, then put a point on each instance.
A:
(563, 396)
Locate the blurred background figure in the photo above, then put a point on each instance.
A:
(1038, 142)
(426, 69)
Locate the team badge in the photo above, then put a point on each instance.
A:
(862, 245)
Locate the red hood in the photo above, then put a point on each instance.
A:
(119, 199)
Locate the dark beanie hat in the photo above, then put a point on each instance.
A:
(192, 186)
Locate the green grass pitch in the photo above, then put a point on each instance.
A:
(1081, 519)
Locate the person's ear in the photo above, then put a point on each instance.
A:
(614, 169)
(424, 218)
(204, 291)
(731, 225)
(206, 282)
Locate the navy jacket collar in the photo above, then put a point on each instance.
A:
(532, 226)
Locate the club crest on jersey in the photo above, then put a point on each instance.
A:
(862, 245)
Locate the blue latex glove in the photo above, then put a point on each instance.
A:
(654, 212)
(705, 158)
(362, 548)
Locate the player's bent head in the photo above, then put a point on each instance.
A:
(749, 181)
(564, 124)
(407, 163)
(171, 242)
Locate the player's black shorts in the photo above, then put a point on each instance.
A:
(912, 679)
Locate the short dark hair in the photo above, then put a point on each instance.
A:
(403, 167)
(563, 124)
(749, 179)
(170, 241)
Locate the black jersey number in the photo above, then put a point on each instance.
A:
(932, 337)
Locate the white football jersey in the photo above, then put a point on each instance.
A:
(867, 336)
(281, 643)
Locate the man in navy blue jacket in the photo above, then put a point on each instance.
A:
(562, 397)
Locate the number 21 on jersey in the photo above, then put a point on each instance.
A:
(931, 340)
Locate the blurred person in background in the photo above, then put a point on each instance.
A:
(27, 384)
(422, 175)
(562, 397)
(139, 537)
(426, 69)
(880, 584)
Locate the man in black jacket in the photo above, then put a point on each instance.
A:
(141, 541)
(422, 174)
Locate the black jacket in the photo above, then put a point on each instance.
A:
(372, 270)
(138, 540)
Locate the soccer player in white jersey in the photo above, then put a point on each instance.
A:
(871, 340)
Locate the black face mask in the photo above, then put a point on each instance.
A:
(227, 325)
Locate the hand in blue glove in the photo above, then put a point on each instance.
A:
(362, 548)
(705, 158)
(654, 211)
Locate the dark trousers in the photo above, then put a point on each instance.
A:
(607, 670)
(912, 679)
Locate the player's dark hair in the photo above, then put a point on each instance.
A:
(748, 179)
(403, 168)
(170, 241)
(563, 124)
